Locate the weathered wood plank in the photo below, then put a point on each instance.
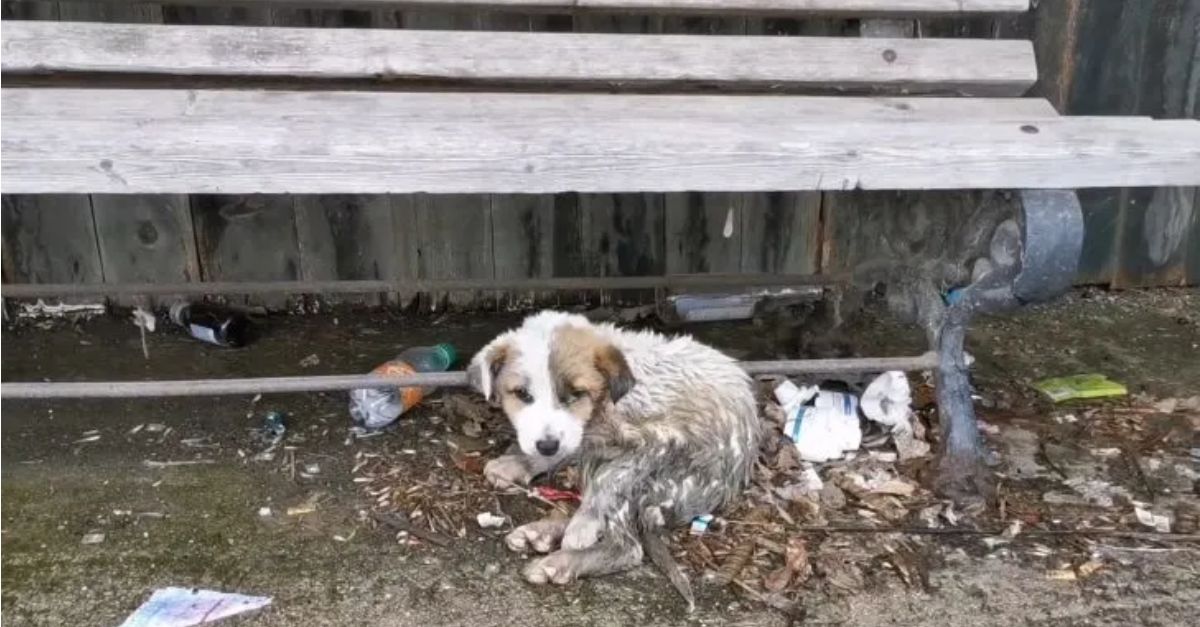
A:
(962, 66)
(145, 239)
(1157, 224)
(50, 239)
(153, 141)
(350, 237)
(454, 239)
(247, 238)
(1097, 259)
(941, 233)
(523, 239)
(216, 14)
(623, 236)
(704, 232)
(835, 7)
(1160, 226)
(781, 233)
(1193, 250)
(1130, 58)
(28, 10)
(112, 11)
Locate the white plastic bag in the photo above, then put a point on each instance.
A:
(824, 430)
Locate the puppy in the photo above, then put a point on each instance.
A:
(663, 430)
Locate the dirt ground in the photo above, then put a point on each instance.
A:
(292, 521)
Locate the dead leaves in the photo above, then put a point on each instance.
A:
(796, 568)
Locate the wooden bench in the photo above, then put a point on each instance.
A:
(102, 108)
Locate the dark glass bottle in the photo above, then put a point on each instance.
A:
(213, 323)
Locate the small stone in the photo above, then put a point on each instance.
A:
(95, 537)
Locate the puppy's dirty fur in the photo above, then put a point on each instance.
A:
(663, 430)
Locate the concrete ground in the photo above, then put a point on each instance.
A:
(202, 524)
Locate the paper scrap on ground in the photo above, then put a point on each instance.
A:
(1080, 386)
(179, 607)
(488, 520)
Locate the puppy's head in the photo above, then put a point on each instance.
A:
(552, 377)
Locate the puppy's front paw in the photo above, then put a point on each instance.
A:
(541, 536)
(507, 471)
(556, 568)
(582, 532)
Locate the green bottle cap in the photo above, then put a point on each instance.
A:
(449, 352)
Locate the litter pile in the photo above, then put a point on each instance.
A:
(838, 502)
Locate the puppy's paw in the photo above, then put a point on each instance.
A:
(558, 568)
(582, 532)
(541, 536)
(507, 471)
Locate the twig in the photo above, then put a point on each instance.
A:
(1050, 461)
(1143, 549)
(1131, 458)
(150, 463)
(958, 531)
(401, 523)
(145, 349)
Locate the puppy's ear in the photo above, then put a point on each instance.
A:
(486, 366)
(611, 363)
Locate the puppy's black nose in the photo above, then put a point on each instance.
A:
(547, 447)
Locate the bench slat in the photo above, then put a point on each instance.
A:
(758, 7)
(956, 66)
(177, 141)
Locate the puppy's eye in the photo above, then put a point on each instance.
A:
(574, 396)
(523, 395)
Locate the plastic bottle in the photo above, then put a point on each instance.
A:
(211, 323)
(375, 408)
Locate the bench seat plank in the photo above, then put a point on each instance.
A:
(956, 66)
(182, 141)
(771, 7)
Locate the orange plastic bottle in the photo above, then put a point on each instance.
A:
(375, 408)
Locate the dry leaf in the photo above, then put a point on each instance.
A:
(777, 579)
(1089, 568)
(796, 559)
(735, 562)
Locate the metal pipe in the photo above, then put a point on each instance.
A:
(31, 290)
(268, 385)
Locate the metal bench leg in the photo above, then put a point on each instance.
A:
(1031, 258)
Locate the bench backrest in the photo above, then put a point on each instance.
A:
(287, 110)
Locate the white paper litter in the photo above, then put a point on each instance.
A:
(888, 401)
(144, 320)
(488, 520)
(1158, 522)
(824, 430)
(41, 310)
(180, 607)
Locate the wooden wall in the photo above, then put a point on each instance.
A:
(1097, 57)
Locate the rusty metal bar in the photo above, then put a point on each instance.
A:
(681, 281)
(280, 385)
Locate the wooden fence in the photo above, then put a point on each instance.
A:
(1097, 57)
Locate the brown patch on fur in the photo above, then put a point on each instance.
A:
(589, 372)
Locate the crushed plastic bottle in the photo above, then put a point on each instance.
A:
(375, 408)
